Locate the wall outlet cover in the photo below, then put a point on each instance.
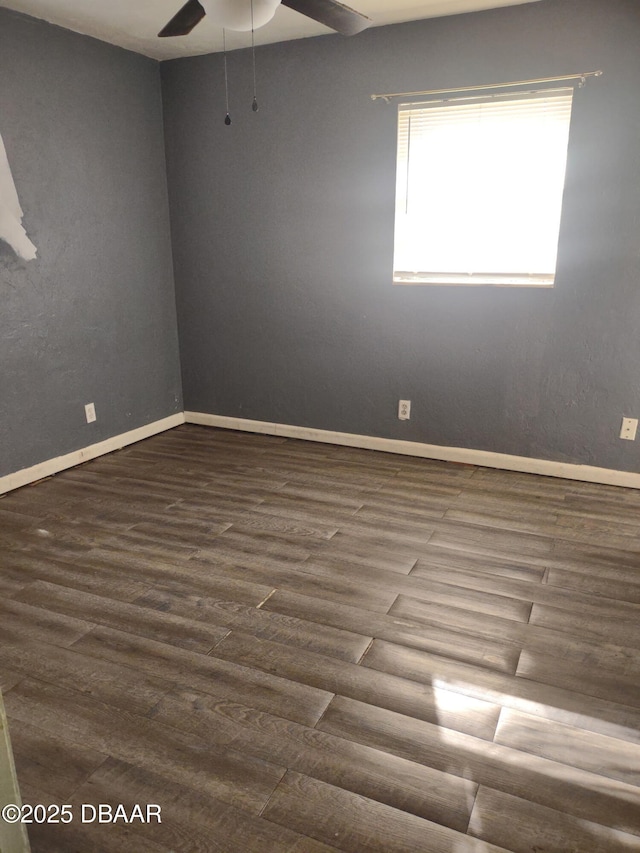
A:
(404, 410)
(629, 429)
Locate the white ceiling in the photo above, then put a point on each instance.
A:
(134, 24)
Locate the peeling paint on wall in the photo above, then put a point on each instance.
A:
(11, 229)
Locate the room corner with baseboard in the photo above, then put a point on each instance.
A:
(299, 323)
(92, 319)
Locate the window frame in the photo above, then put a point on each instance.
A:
(482, 278)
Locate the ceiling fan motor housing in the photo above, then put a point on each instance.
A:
(236, 14)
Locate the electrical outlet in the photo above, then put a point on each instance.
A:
(90, 412)
(404, 410)
(629, 428)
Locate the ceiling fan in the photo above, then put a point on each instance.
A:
(231, 15)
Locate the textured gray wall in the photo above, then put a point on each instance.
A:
(283, 229)
(93, 318)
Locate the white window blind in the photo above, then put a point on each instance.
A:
(479, 189)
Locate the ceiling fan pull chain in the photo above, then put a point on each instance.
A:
(254, 105)
(227, 118)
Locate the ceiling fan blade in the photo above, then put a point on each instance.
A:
(332, 14)
(184, 21)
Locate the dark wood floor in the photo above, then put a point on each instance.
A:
(304, 648)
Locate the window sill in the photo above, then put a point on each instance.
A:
(474, 280)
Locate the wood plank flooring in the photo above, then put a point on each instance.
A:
(299, 648)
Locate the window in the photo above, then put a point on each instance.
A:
(479, 189)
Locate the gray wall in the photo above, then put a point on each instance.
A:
(93, 318)
(283, 228)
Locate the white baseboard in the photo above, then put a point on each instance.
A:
(60, 463)
(483, 458)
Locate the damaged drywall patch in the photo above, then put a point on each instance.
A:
(11, 229)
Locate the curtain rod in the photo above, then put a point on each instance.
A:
(580, 77)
